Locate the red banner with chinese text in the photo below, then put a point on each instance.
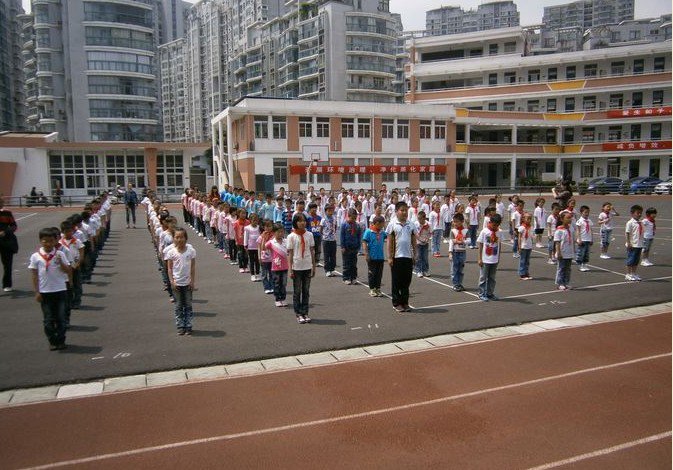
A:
(640, 112)
(653, 145)
(369, 169)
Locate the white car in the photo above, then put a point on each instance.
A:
(663, 188)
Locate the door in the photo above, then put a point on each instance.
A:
(634, 168)
(567, 170)
(492, 175)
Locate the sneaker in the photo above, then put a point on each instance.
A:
(328, 273)
(604, 256)
(233, 262)
(584, 268)
(63, 345)
(379, 293)
(637, 278)
(483, 298)
(458, 288)
(246, 270)
(7, 289)
(188, 332)
(406, 308)
(629, 277)
(516, 255)
(221, 251)
(347, 282)
(279, 303)
(372, 293)
(54, 347)
(226, 257)
(426, 274)
(419, 275)
(253, 278)
(561, 287)
(539, 245)
(493, 297)
(268, 291)
(301, 319)
(181, 331)
(645, 262)
(283, 303)
(398, 308)
(307, 319)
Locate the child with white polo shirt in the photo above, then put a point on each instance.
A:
(564, 243)
(649, 229)
(584, 238)
(605, 222)
(489, 244)
(634, 243)
(301, 255)
(401, 255)
(182, 273)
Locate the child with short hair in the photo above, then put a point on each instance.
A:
(351, 234)
(539, 221)
(605, 222)
(76, 249)
(287, 216)
(313, 222)
(373, 245)
(328, 227)
(231, 235)
(564, 243)
(584, 238)
(515, 221)
(649, 229)
(265, 256)
(279, 264)
(552, 223)
(239, 231)
(437, 228)
(472, 213)
(48, 266)
(300, 245)
(634, 243)
(422, 244)
(182, 273)
(401, 255)
(525, 246)
(489, 241)
(457, 254)
(250, 236)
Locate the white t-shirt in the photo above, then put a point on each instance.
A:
(490, 250)
(539, 216)
(567, 240)
(472, 214)
(182, 264)
(648, 229)
(552, 222)
(584, 229)
(51, 277)
(500, 209)
(607, 225)
(634, 233)
(73, 246)
(526, 242)
(301, 262)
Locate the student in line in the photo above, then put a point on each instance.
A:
(373, 243)
(301, 253)
(489, 244)
(457, 254)
(401, 256)
(182, 273)
(649, 229)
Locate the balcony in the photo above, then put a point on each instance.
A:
(370, 87)
(359, 67)
(308, 53)
(355, 29)
(354, 49)
(309, 72)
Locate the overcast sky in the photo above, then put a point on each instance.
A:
(413, 11)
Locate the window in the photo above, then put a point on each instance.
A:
(492, 49)
(635, 131)
(347, 128)
(305, 127)
(364, 177)
(617, 68)
(534, 75)
(654, 167)
(590, 70)
(508, 106)
(402, 129)
(426, 129)
(322, 127)
(492, 78)
(440, 176)
(655, 131)
(616, 101)
(348, 177)
(634, 35)
(510, 77)
(261, 127)
(403, 175)
(568, 135)
(510, 47)
(638, 66)
(279, 127)
(280, 170)
(440, 130)
(637, 99)
(570, 104)
(492, 106)
(551, 105)
(426, 176)
(170, 172)
(587, 169)
(588, 134)
(533, 106)
(552, 74)
(589, 103)
(571, 72)
(549, 167)
(364, 128)
(615, 133)
(388, 128)
(387, 177)
(613, 167)
(659, 64)
(657, 97)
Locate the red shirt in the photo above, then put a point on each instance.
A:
(239, 228)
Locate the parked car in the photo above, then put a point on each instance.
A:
(604, 185)
(663, 188)
(640, 184)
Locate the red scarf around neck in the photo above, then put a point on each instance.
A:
(459, 236)
(47, 258)
(526, 232)
(494, 230)
(654, 224)
(301, 237)
(375, 229)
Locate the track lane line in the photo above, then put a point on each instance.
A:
(365, 414)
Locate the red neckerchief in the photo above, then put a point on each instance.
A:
(375, 229)
(459, 236)
(640, 228)
(654, 224)
(301, 237)
(65, 243)
(567, 229)
(526, 232)
(587, 225)
(353, 226)
(425, 226)
(47, 258)
(494, 230)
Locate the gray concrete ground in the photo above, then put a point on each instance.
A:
(126, 323)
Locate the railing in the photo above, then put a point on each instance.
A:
(118, 18)
(369, 48)
(122, 90)
(369, 66)
(123, 113)
(120, 66)
(369, 86)
(126, 43)
(371, 29)
(308, 52)
(43, 201)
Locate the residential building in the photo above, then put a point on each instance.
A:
(12, 100)
(519, 116)
(455, 20)
(313, 50)
(174, 92)
(588, 13)
(260, 144)
(92, 71)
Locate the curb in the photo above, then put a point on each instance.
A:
(10, 398)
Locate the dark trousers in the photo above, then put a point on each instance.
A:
(54, 316)
(400, 272)
(330, 249)
(279, 285)
(231, 244)
(130, 213)
(254, 262)
(7, 261)
(183, 307)
(375, 273)
(472, 234)
(76, 288)
(242, 256)
(185, 215)
(318, 248)
(301, 285)
(350, 264)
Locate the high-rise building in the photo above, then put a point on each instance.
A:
(588, 13)
(12, 114)
(317, 50)
(455, 20)
(96, 75)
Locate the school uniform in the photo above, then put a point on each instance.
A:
(375, 245)
(402, 235)
(457, 248)
(302, 266)
(181, 270)
(329, 233)
(52, 287)
(584, 236)
(564, 237)
(490, 257)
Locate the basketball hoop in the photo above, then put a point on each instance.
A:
(312, 154)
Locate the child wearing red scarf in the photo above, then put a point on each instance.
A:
(649, 229)
(489, 243)
(472, 213)
(373, 242)
(564, 244)
(584, 238)
(515, 223)
(634, 242)
(525, 234)
(457, 254)
(301, 254)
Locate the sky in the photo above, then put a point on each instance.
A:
(413, 11)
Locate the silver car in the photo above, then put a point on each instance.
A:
(663, 188)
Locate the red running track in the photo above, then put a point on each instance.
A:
(590, 397)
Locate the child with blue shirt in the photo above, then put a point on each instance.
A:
(372, 245)
(350, 235)
(401, 256)
(313, 225)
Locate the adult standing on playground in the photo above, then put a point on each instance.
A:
(9, 245)
(131, 202)
(563, 191)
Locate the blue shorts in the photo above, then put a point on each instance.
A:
(647, 243)
(633, 256)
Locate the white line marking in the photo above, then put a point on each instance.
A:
(26, 216)
(450, 286)
(367, 286)
(544, 292)
(605, 451)
(337, 419)
(356, 328)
